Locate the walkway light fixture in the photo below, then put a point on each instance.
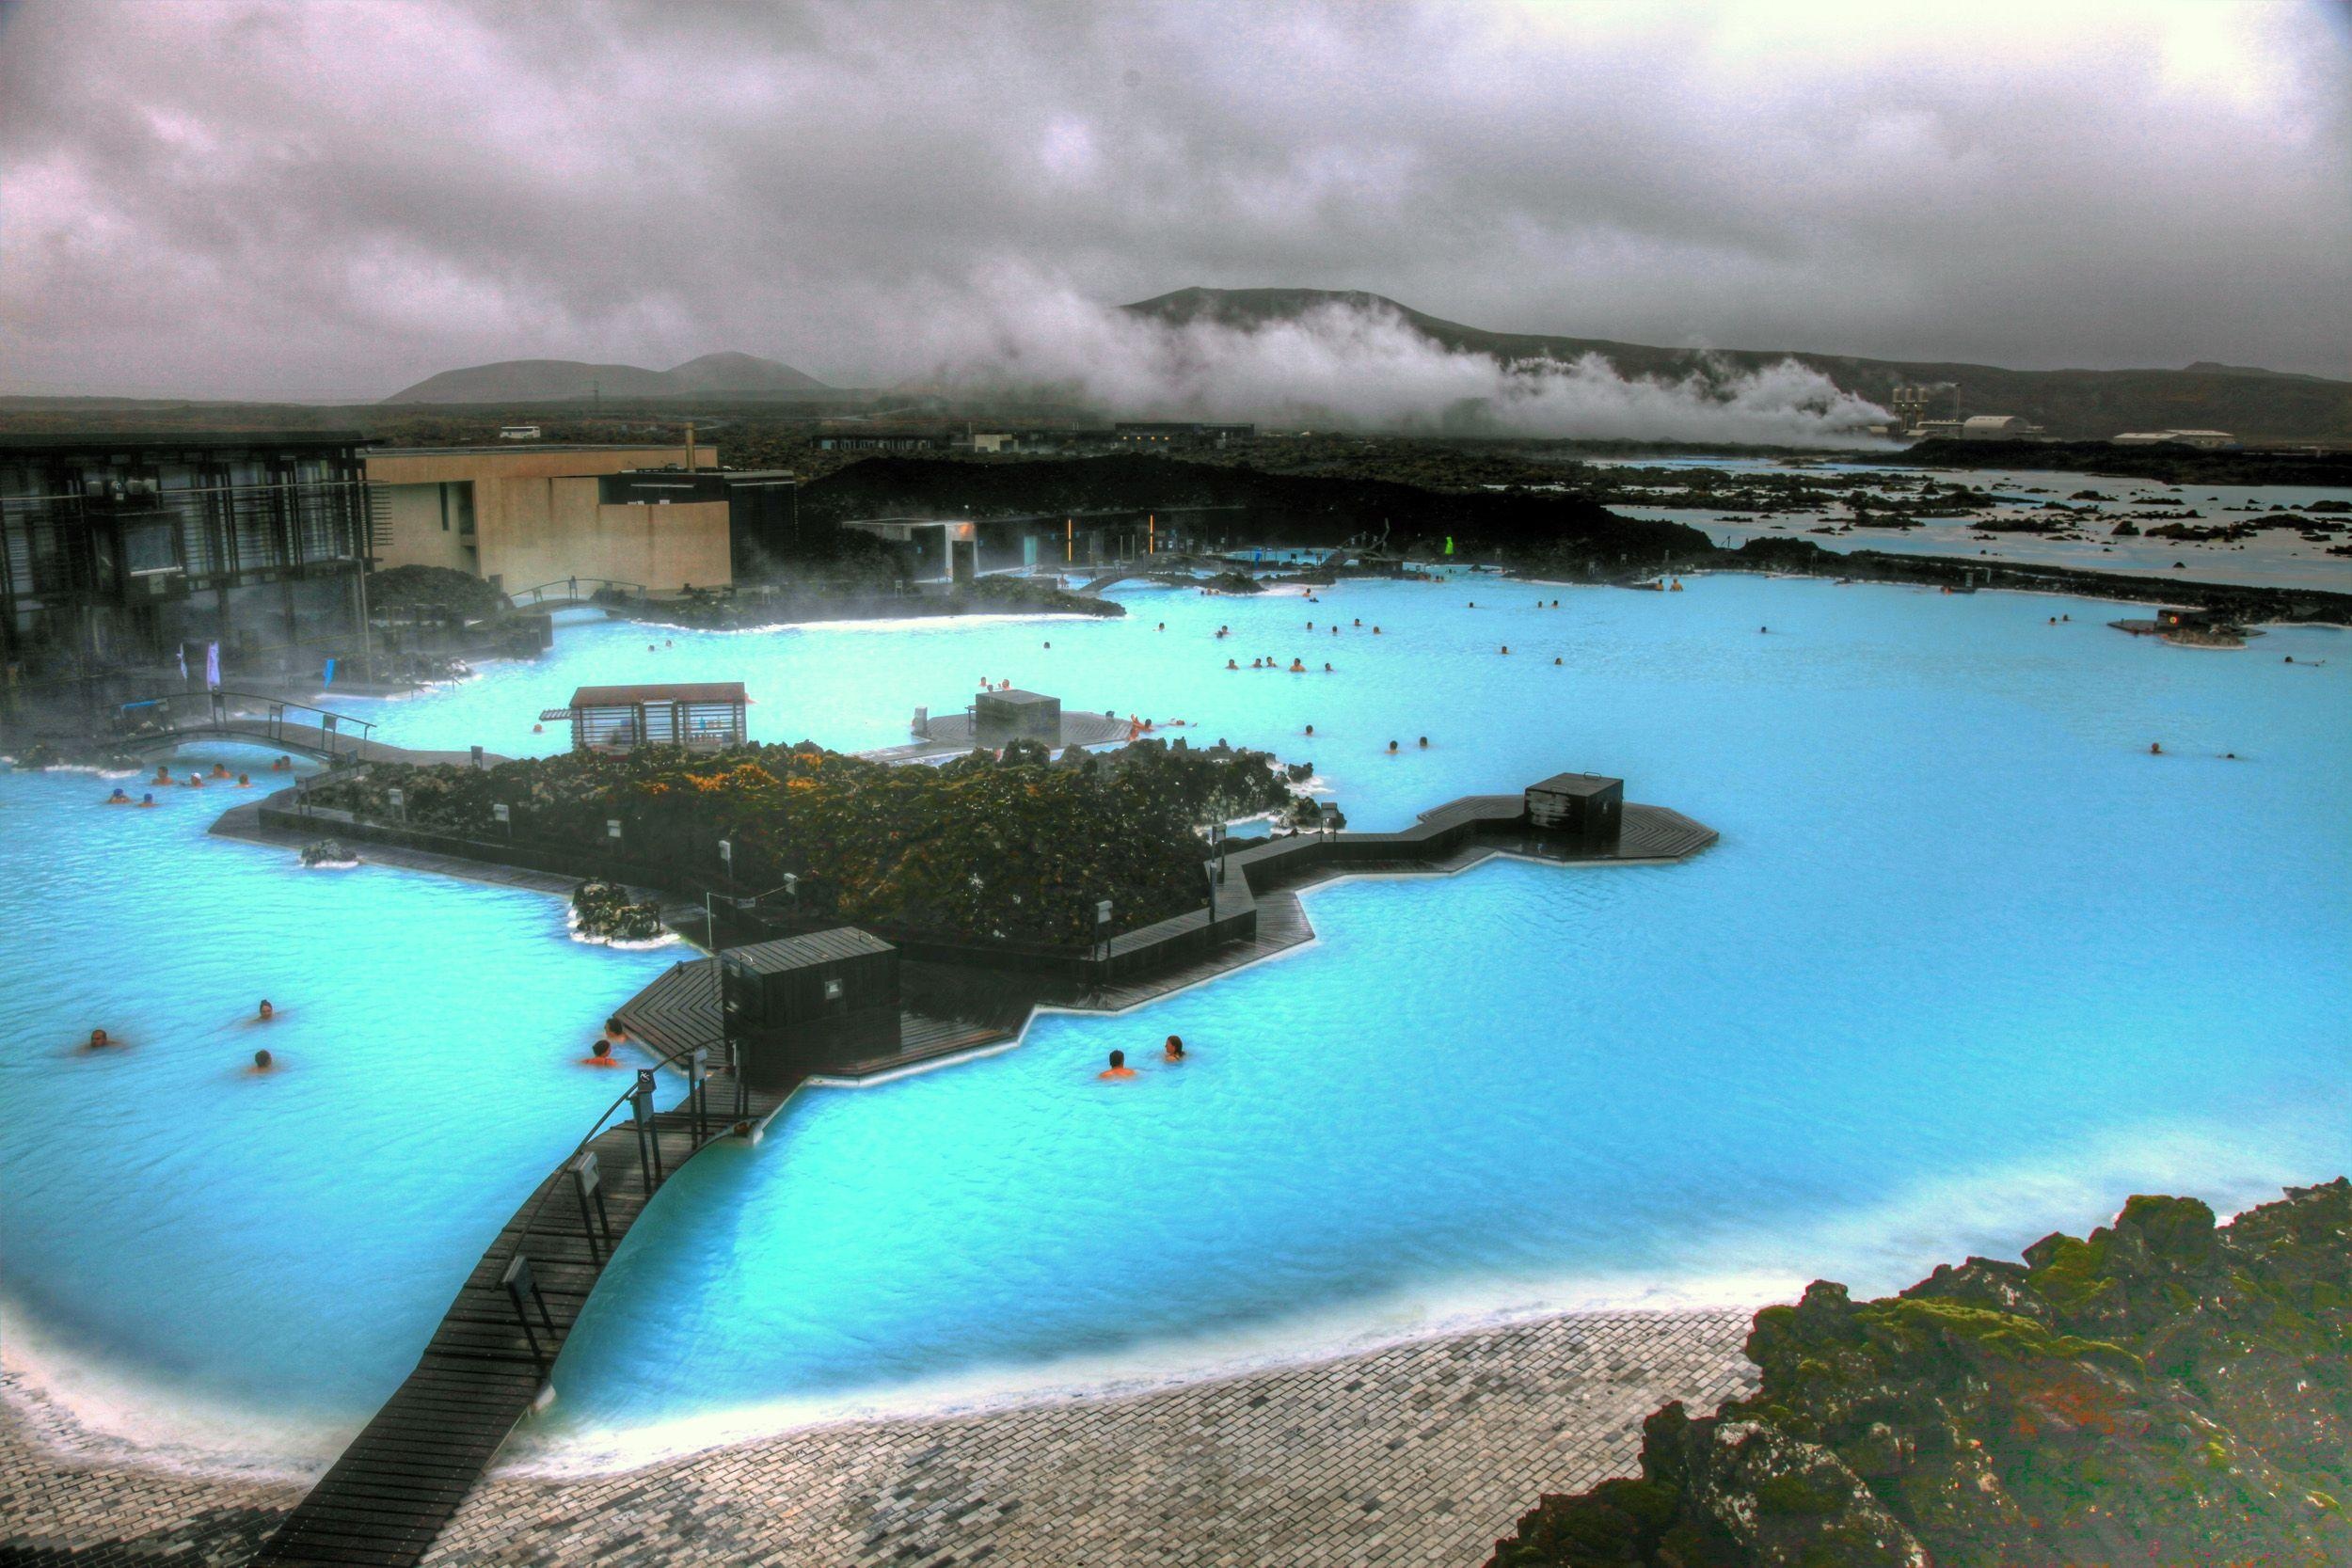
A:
(697, 1076)
(648, 1136)
(520, 1283)
(504, 815)
(612, 829)
(399, 803)
(589, 1185)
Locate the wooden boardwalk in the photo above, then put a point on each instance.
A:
(391, 1492)
(390, 1495)
(396, 1486)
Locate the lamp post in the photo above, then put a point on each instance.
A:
(504, 817)
(1217, 849)
(399, 803)
(1103, 931)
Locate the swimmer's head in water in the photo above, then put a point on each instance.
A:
(261, 1061)
(1118, 1058)
(602, 1049)
(1175, 1047)
(265, 1010)
(100, 1037)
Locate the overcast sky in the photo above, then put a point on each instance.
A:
(334, 200)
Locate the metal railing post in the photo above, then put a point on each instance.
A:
(519, 1281)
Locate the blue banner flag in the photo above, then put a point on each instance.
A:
(328, 679)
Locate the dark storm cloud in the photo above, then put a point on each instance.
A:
(334, 200)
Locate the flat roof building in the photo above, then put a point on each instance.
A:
(1179, 432)
(519, 516)
(118, 548)
(2204, 440)
(703, 714)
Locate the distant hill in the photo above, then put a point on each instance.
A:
(549, 380)
(2255, 405)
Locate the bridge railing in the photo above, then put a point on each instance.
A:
(571, 590)
(278, 721)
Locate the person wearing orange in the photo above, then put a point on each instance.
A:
(1118, 1068)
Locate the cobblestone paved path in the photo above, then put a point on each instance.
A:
(1419, 1455)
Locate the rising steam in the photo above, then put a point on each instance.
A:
(1365, 367)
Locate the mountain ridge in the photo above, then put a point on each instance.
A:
(2253, 405)
(530, 380)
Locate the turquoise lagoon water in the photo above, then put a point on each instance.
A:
(1968, 965)
(231, 1268)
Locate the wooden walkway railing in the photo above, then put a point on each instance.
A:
(385, 1500)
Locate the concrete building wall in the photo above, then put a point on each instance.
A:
(536, 517)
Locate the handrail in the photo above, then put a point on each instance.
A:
(571, 588)
(597, 1130)
(217, 717)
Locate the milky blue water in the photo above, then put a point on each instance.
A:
(236, 1266)
(1968, 965)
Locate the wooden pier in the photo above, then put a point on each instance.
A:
(390, 1495)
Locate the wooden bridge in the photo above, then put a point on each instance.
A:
(572, 592)
(404, 1475)
(176, 718)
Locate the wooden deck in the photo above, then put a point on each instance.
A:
(388, 1497)
(396, 1486)
(950, 735)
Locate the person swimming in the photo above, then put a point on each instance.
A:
(148, 799)
(196, 781)
(1174, 1050)
(2156, 748)
(614, 1029)
(1391, 746)
(600, 1052)
(221, 771)
(283, 765)
(264, 1061)
(266, 1012)
(1118, 1068)
(1327, 666)
(1555, 659)
(1424, 743)
(163, 774)
(245, 781)
(120, 797)
(1231, 665)
(99, 1039)
(1506, 647)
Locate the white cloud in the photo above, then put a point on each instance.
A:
(337, 198)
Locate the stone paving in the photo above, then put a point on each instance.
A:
(93, 1512)
(1420, 1454)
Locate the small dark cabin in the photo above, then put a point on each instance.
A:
(1581, 805)
(999, 716)
(805, 1003)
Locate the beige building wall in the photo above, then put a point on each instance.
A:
(536, 518)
